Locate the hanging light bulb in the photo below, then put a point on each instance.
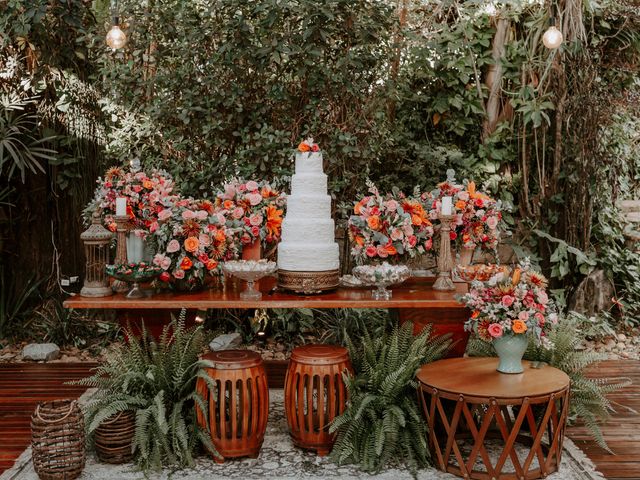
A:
(116, 38)
(552, 38)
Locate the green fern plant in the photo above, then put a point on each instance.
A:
(157, 380)
(589, 403)
(383, 421)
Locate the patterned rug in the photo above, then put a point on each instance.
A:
(279, 459)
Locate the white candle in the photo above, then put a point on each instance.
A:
(447, 206)
(121, 207)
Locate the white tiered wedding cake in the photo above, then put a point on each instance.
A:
(308, 247)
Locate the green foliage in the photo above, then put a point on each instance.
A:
(16, 305)
(156, 378)
(383, 422)
(589, 403)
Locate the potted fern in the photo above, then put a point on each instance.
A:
(383, 420)
(156, 380)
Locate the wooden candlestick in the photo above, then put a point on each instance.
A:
(122, 228)
(445, 262)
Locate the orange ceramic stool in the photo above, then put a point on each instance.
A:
(239, 404)
(315, 394)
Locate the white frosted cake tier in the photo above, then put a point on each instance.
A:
(308, 257)
(309, 184)
(309, 162)
(303, 230)
(304, 206)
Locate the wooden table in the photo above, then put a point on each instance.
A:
(467, 401)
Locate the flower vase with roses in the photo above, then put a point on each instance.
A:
(192, 239)
(478, 217)
(389, 227)
(508, 310)
(253, 211)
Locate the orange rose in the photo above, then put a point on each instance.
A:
(303, 147)
(416, 219)
(460, 204)
(191, 244)
(518, 326)
(220, 236)
(373, 222)
(211, 264)
(359, 240)
(390, 249)
(186, 263)
(148, 184)
(227, 204)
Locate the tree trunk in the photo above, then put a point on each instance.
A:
(494, 78)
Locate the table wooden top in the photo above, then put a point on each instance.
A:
(478, 377)
(414, 293)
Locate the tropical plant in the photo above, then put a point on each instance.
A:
(589, 403)
(156, 379)
(16, 304)
(383, 422)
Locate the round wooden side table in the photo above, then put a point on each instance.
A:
(469, 406)
(314, 394)
(238, 405)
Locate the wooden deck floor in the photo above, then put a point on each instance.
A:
(622, 432)
(22, 386)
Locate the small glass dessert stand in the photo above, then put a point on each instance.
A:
(135, 274)
(250, 271)
(382, 276)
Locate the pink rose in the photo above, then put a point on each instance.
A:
(229, 192)
(205, 240)
(396, 234)
(188, 215)
(166, 263)
(408, 230)
(245, 239)
(464, 196)
(202, 215)
(252, 186)
(238, 212)
(543, 298)
(242, 188)
(179, 274)
(382, 252)
(428, 244)
(540, 318)
(173, 246)
(255, 219)
(255, 231)
(524, 316)
(220, 218)
(153, 227)
(413, 240)
(391, 205)
(492, 222)
(495, 330)
(508, 300)
(157, 259)
(137, 188)
(164, 214)
(371, 251)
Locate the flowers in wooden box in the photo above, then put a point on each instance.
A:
(253, 210)
(478, 220)
(192, 240)
(146, 194)
(511, 304)
(389, 226)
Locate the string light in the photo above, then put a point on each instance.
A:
(552, 38)
(116, 38)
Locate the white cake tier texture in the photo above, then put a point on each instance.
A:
(308, 231)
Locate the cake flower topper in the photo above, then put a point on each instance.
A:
(308, 146)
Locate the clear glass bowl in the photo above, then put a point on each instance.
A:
(382, 276)
(250, 271)
(134, 274)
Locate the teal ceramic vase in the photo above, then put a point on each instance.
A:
(510, 349)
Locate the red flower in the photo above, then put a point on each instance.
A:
(453, 235)
(164, 277)
(315, 148)
(478, 202)
(186, 263)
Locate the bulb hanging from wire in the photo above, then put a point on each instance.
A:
(552, 38)
(116, 38)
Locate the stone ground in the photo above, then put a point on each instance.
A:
(280, 460)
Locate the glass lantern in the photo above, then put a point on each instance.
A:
(96, 241)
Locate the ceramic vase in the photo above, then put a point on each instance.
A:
(510, 349)
(135, 248)
(252, 251)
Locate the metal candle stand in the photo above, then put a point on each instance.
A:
(122, 228)
(445, 262)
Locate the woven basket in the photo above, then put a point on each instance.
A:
(114, 436)
(57, 440)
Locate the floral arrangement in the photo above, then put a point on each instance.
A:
(253, 210)
(389, 226)
(192, 239)
(308, 146)
(478, 216)
(133, 270)
(146, 196)
(515, 304)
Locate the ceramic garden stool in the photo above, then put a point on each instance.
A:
(509, 425)
(314, 394)
(238, 406)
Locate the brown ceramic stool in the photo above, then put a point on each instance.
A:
(238, 406)
(314, 394)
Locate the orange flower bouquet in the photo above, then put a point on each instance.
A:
(392, 226)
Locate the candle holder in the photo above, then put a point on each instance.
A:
(445, 262)
(122, 228)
